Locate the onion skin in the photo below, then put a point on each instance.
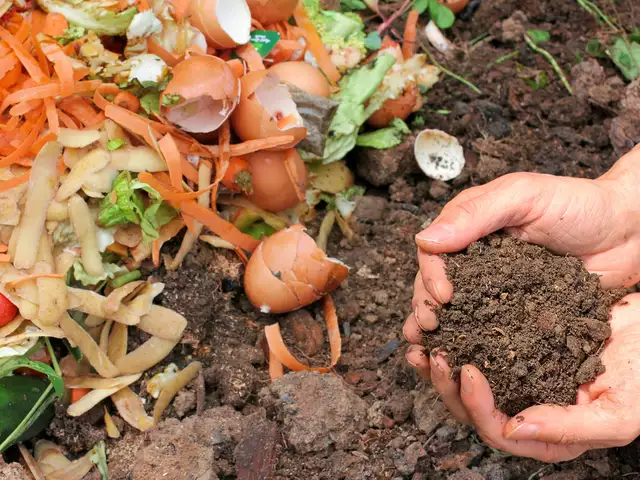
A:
(401, 107)
(288, 271)
(251, 121)
(268, 12)
(304, 76)
(276, 187)
(203, 17)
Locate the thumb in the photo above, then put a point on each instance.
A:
(591, 423)
(479, 211)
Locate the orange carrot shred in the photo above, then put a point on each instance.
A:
(127, 100)
(410, 34)
(78, 393)
(224, 229)
(37, 146)
(42, 59)
(79, 108)
(67, 120)
(11, 77)
(25, 146)
(7, 63)
(62, 66)
(130, 121)
(52, 115)
(281, 353)
(173, 158)
(168, 57)
(55, 24)
(237, 66)
(38, 19)
(4, 248)
(14, 182)
(168, 192)
(23, 108)
(29, 63)
(316, 47)
(5, 258)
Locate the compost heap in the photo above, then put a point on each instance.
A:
(125, 124)
(531, 321)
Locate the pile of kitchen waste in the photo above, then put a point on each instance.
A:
(126, 124)
(533, 322)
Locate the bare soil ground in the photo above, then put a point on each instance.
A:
(374, 419)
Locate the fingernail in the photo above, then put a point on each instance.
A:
(526, 431)
(436, 234)
(433, 289)
(436, 369)
(411, 349)
(467, 381)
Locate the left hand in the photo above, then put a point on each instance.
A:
(606, 414)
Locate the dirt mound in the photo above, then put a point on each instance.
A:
(532, 321)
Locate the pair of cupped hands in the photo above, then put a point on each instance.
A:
(597, 221)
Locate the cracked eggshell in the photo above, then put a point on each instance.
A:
(288, 271)
(268, 12)
(266, 110)
(439, 155)
(209, 92)
(225, 23)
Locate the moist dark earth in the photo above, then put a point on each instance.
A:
(534, 322)
(374, 419)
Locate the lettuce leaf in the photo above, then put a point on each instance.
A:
(385, 137)
(110, 271)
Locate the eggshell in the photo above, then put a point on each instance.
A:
(304, 76)
(276, 186)
(264, 100)
(400, 107)
(210, 91)
(272, 11)
(225, 23)
(281, 275)
(439, 155)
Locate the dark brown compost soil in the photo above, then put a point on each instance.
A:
(532, 321)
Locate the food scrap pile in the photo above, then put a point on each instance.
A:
(125, 124)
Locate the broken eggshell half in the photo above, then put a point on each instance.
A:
(288, 271)
(202, 94)
(225, 23)
(268, 12)
(266, 110)
(439, 155)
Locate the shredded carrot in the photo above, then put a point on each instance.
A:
(79, 108)
(42, 59)
(4, 248)
(132, 122)
(143, 5)
(29, 63)
(169, 193)
(225, 230)
(167, 232)
(44, 91)
(62, 66)
(168, 57)
(105, 89)
(37, 146)
(281, 353)
(5, 258)
(316, 47)
(38, 20)
(251, 146)
(7, 63)
(155, 252)
(127, 100)
(250, 55)
(14, 182)
(78, 393)
(14, 283)
(80, 73)
(23, 108)
(11, 77)
(67, 120)
(173, 158)
(118, 249)
(25, 146)
(52, 115)
(55, 24)
(410, 34)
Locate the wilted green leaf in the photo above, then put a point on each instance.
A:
(539, 36)
(626, 56)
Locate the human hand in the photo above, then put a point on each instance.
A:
(606, 414)
(597, 221)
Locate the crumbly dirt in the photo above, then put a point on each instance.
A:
(532, 321)
(407, 433)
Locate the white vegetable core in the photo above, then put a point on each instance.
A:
(235, 19)
(276, 99)
(439, 155)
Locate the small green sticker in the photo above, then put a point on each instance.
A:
(263, 41)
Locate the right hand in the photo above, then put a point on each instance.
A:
(597, 221)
